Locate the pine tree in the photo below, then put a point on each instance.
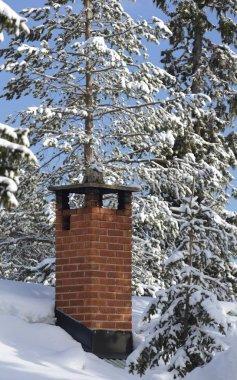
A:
(88, 68)
(96, 92)
(189, 312)
(26, 233)
(205, 91)
(11, 21)
(201, 261)
(199, 64)
(14, 149)
(13, 142)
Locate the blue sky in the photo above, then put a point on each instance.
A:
(141, 8)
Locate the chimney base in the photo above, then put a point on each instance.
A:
(106, 344)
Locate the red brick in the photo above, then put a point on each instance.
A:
(77, 260)
(108, 239)
(82, 219)
(124, 310)
(58, 297)
(77, 302)
(82, 295)
(123, 254)
(116, 317)
(78, 223)
(69, 310)
(108, 253)
(124, 212)
(70, 288)
(109, 218)
(103, 295)
(114, 232)
(93, 267)
(107, 267)
(101, 317)
(123, 326)
(89, 266)
(128, 261)
(127, 233)
(123, 296)
(97, 259)
(69, 267)
(98, 245)
(121, 275)
(115, 246)
(61, 303)
(114, 260)
(88, 309)
(80, 318)
(123, 226)
(62, 260)
(58, 268)
(60, 276)
(97, 302)
(108, 225)
(119, 303)
(67, 281)
(101, 325)
(94, 217)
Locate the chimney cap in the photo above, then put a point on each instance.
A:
(81, 188)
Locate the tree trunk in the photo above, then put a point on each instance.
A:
(196, 61)
(196, 56)
(189, 282)
(92, 175)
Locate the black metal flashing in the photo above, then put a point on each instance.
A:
(112, 344)
(74, 328)
(107, 344)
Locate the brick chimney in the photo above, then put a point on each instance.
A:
(93, 268)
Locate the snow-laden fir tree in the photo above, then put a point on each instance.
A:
(87, 68)
(96, 91)
(26, 233)
(190, 317)
(167, 181)
(14, 148)
(204, 149)
(202, 57)
(11, 21)
(13, 142)
(83, 64)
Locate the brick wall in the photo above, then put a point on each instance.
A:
(93, 266)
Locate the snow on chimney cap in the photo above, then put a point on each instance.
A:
(106, 189)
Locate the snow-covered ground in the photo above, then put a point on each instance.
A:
(32, 348)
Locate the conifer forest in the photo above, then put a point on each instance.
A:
(96, 106)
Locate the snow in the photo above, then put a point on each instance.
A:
(8, 131)
(223, 366)
(48, 261)
(161, 25)
(17, 21)
(29, 302)
(97, 44)
(9, 183)
(31, 347)
(17, 147)
(12, 133)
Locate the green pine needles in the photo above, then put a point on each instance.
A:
(190, 317)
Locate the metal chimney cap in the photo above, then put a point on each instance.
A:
(80, 188)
